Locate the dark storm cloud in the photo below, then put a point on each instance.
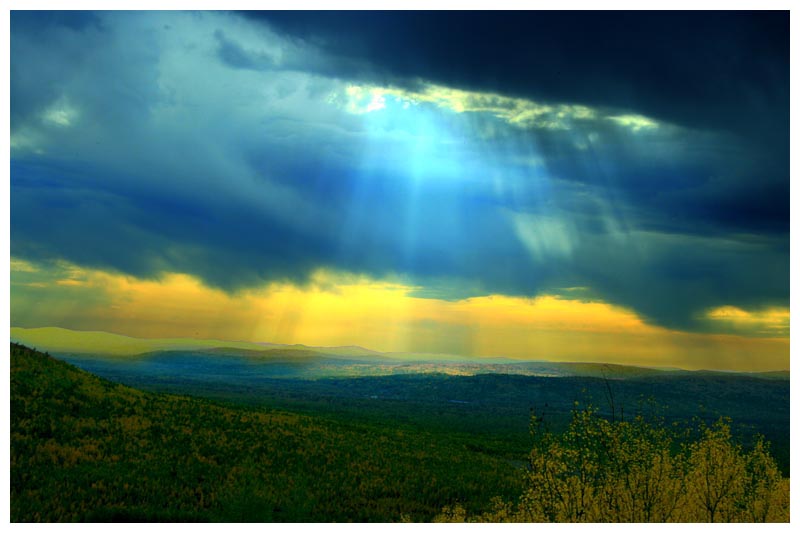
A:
(232, 54)
(208, 144)
(31, 89)
(724, 71)
(700, 69)
(145, 234)
(684, 181)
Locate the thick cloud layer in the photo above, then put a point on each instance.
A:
(700, 69)
(644, 157)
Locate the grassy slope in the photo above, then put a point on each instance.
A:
(86, 449)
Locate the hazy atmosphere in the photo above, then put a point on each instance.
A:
(621, 195)
(399, 267)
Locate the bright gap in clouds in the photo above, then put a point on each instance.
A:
(343, 309)
(211, 146)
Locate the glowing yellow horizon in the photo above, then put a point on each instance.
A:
(341, 309)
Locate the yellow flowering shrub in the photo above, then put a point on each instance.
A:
(601, 470)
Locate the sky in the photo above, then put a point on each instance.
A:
(566, 186)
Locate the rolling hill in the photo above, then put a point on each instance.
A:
(320, 362)
(87, 449)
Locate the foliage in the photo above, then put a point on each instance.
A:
(489, 411)
(86, 449)
(639, 470)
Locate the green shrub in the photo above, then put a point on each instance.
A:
(641, 471)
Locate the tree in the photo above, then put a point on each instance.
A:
(641, 470)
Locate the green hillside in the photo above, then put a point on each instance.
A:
(87, 449)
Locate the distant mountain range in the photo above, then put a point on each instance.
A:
(310, 362)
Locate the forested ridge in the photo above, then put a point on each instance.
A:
(84, 448)
(87, 449)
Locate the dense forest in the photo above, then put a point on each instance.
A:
(87, 449)
(487, 410)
